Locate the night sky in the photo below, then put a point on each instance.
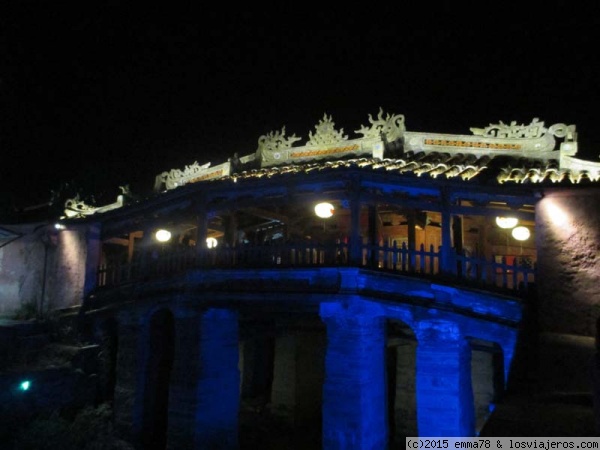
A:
(107, 95)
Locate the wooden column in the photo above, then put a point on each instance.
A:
(458, 241)
(373, 238)
(355, 250)
(446, 259)
(147, 245)
(412, 239)
(201, 231)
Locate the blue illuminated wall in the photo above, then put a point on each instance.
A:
(354, 392)
(443, 323)
(354, 406)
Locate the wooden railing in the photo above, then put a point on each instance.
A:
(390, 258)
(516, 276)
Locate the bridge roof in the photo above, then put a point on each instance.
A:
(496, 155)
(428, 167)
(466, 167)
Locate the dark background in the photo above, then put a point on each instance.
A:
(98, 94)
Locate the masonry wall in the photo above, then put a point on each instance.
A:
(568, 242)
(43, 268)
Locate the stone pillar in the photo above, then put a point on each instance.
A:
(92, 259)
(354, 392)
(204, 394)
(445, 405)
(183, 402)
(219, 384)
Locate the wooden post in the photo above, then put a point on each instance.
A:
(446, 249)
(355, 250)
(412, 239)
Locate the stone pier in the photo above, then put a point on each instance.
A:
(444, 393)
(218, 384)
(354, 392)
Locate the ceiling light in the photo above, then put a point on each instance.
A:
(211, 242)
(324, 210)
(162, 235)
(507, 222)
(521, 233)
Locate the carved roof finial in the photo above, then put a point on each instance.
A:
(275, 141)
(391, 128)
(325, 133)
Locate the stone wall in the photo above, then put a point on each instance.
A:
(568, 242)
(44, 267)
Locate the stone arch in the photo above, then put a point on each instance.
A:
(400, 359)
(256, 362)
(107, 336)
(298, 375)
(487, 378)
(157, 374)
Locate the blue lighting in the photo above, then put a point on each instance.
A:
(25, 385)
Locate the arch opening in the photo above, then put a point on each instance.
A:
(108, 337)
(401, 345)
(487, 379)
(161, 348)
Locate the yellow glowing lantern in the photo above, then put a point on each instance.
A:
(507, 222)
(211, 242)
(162, 235)
(324, 210)
(521, 233)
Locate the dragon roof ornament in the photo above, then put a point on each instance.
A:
(325, 134)
(391, 127)
(275, 141)
(535, 129)
(77, 208)
(178, 177)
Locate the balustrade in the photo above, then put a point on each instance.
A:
(390, 258)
